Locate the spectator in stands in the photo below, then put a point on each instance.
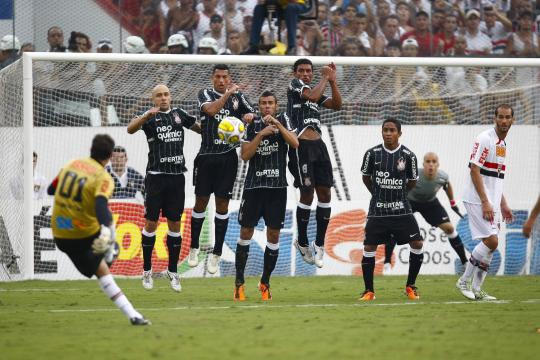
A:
(9, 50)
(286, 9)
(55, 38)
(27, 47)
(234, 43)
(351, 46)
(127, 181)
(245, 34)
(403, 12)
(312, 35)
(460, 46)
(498, 27)
(209, 10)
(390, 31)
(358, 29)
(420, 5)
(383, 11)
(437, 21)
(216, 31)
(322, 14)
(233, 16)
(348, 16)
(524, 42)
(135, 45)
(333, 32)
(393, 49)
(426, 41)
(208, 46)
(79, 42)
(446, 38)
(177, 44)
(360, 5)
(16, 185)
(153, 30)
(477, 42)
(104, 46)
(323, 49)
(183, 19)
(409, 48)
(166, 5)
(441, 5)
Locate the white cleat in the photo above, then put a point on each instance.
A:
(147, 281)
(213, 263)
(318, 255)
(305, 252)
(175, 281)
(193, 257)
(481, 295)
(465, 288)
(387, 269)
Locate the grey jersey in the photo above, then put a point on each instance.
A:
(426, 189)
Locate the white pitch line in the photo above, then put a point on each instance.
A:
(284, 306)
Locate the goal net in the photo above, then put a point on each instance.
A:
(443, 103)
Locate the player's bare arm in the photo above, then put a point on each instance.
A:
(506, 212)
(368, 182)
(487, 208)
(411, 184)
(212, 108)
(248, 118)
(335, 101)
(250, 148)
(315, 93)
(136, 123)
(529, 223)
(196, 127)
(289, 136)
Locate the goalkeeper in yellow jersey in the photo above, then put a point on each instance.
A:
(82, 223)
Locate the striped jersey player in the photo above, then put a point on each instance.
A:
(484, 201)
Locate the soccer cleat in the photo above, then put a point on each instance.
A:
(213, 263)
(139, 321)
(239, 294)
(265, 292)
(387, 269)
(465, 288)
(305, 252)
(412, 292)
(175, 281)
(318, 255)
(147, 281)
(193, 257)
(483, 296)
(367, 296)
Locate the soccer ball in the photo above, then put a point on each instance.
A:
(231, 129)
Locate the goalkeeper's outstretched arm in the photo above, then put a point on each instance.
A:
(450, 194)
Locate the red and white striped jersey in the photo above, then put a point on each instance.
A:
(489, 153)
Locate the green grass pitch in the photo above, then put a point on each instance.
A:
(309, 318)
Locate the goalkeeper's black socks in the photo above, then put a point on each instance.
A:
(388, 251)
(241, 257)
(416, 256)
(302, 219)
(148, 241)
(457, 245)
(271, 254)
(368, 267)
(174, 244)
(322, 215)
(221, 221)
(197, 221)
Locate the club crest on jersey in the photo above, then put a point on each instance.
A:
(235, 103)
(401, 164)
(177, 119)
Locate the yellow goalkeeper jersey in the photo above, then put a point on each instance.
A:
(78, 185)
(284, 3)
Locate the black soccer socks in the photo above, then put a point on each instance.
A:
(221, 221)
(322, 215)
(241, 257)
(270, 260)
(302, 220)
(148, 241)
(457, 245)
(174, 244)
(197, 221)
(416, 256)
(368, 267)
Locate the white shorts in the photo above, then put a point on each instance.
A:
(481, 228)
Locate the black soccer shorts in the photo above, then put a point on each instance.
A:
(165, 193)
(80, 253)
(310, 164)
(268, 203)
(215, 173)
(404, 229)
(432, 211)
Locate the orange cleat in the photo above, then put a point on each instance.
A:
(367, 296)
(412, 292)
(265, 292)
(239, 294)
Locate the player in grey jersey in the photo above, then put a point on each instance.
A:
(423, 199)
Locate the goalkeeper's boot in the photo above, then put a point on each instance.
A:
(318, 255)
(175, 281)
(193, 257)
(147, 281)
(367, 296)
(139, 321)
(305, 252)
(465, 288)
(239, 294)
(412, 292)
(213, 263)
(483, 296)
(265, 292)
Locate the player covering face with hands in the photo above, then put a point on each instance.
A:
(265, 146)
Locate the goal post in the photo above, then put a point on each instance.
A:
(370, 90)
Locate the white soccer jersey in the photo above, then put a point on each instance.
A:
(489, 153)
